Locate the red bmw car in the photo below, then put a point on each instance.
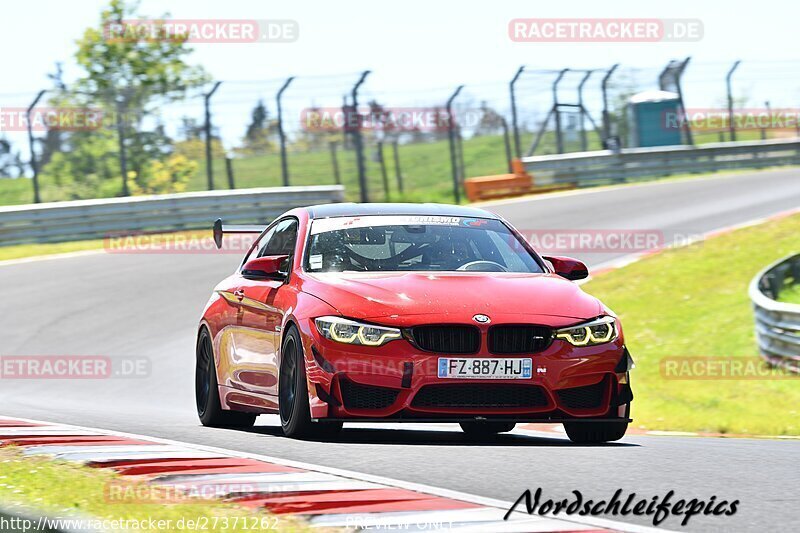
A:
(403, 312)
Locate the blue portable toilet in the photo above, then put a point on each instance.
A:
(654, 119)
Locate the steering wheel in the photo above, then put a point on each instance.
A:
(483, 266)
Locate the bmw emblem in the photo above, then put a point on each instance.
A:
(481, 319)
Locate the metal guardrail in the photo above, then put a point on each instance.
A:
(777, 323)
(87, 219)
(606, 166)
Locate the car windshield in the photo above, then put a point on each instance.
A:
(415, 243)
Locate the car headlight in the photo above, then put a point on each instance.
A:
(598, 331)
(350, 332)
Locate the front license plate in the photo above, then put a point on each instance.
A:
(485, 368)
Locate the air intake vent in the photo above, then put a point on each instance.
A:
(483, 396)
(589, 397)
(447, 339)
(358, 396)
(519, 339)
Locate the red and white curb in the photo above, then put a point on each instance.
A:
(323, 496)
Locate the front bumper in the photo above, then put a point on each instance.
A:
(398, 382)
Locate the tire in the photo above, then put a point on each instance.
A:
(209, 407)
(485, 429)
(595, 432)
(295, 412)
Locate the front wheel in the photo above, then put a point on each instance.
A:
(595, 432)
(485, 429)
(209, 407)
(293, 394)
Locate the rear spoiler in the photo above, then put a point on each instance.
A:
(220, 230)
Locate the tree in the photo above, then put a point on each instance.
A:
(128, 79)
(383, 125)
(621, 88)
(195, 149)
(52, 143)
(54, 139)
(438, 128)
(490, 121)
(191, 129)
(318, 131)
(258, 123)
(258, 138)
(134, 70)
(193, 144)
(11, 165)
(171, 175)
(88, 167)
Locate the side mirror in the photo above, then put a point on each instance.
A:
(569, 268)
(269, 267)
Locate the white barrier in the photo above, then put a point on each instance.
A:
(86, 219)
(777, 323)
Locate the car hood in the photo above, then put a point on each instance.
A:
(398, 297)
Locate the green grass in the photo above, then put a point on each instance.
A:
(693, 302)
(60, 489)
(791, 294)
(19, 251)
(16, 191)
(425, 169)
(29, 250)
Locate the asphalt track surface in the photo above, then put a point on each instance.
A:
(140, 305)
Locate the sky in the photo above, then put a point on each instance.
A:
(419, 51)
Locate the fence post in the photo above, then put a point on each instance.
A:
(281, 134)
(397, 172)
(514, 124)
(385, 177)
(584, 142)
(606, 116)
(34, 165)
(451, 138)
(207, 103)
(460, 152)
(673, 73)
(229, 172)
(559, 140)
(123, 158)
(688, 123)
(731, 125)
(335, 161)
(362, 171)
(507, 143)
